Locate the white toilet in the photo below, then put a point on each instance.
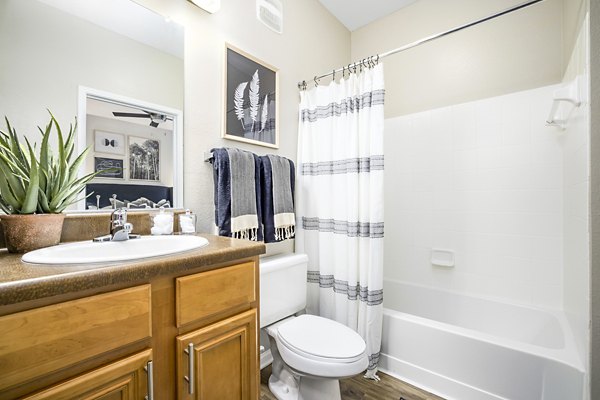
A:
(310, 353)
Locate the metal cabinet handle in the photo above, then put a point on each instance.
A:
(149, 368)
(190, 377)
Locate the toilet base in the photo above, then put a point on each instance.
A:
(282, 390)
(308, 388)
(288, 384)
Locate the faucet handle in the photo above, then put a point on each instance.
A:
(120, 229)
(118, 217)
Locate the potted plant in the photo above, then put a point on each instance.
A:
(36, 188)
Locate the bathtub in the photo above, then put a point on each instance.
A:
(470, 348)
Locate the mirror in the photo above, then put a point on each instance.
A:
(63, 54)
(135, 147)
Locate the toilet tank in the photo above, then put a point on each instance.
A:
(282, 286)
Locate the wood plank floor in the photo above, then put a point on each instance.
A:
(358, 388)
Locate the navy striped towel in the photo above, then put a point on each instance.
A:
(237, 193)
(277, 183)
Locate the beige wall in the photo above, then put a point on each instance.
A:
(312, 41)
(573, 14)
(519, 51)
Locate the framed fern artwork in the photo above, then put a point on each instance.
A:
(251, 104)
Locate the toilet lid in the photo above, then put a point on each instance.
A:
(322, 338)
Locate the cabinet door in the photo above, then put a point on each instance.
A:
(126, 379)
(220, 361)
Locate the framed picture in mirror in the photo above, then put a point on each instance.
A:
(251, 88)
(108, 167)
(108, 142)
(144, 159)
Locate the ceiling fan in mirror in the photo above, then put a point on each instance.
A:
(155, 118)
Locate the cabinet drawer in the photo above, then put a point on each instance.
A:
(40, 341)
(126, 379)
(215, 292)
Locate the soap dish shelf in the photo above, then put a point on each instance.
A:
(442, 258)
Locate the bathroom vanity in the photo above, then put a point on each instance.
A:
(183, 326)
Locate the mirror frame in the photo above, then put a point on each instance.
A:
(87, 92)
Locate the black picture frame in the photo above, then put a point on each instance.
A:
(144, 159)
(251, 95)
(103, 163)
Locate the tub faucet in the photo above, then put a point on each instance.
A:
(120, 229)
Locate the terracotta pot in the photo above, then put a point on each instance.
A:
(23, 233)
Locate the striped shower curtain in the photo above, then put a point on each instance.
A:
(340, 202)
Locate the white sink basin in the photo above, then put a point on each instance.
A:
(102, 252)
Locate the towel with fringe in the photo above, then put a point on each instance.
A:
(237, 193)
(277, 183)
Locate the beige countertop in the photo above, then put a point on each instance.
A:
(20, 282)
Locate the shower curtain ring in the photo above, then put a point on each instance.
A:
(316, 81)
(334, 74)
(377, 60)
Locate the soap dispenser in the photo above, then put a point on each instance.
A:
(187, 223)
(162, 223)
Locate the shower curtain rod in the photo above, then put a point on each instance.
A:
(370, 60)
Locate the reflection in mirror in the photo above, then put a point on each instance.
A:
(54, 50)
(133, 146)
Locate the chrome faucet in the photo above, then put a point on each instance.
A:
(120, 229)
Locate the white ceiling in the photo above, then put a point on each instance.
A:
(356, 13)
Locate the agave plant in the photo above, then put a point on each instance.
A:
(44, 184)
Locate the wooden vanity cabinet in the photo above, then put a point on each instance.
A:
(65, 342)
(132, 343)
(219, 360)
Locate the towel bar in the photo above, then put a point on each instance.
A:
(567, 94)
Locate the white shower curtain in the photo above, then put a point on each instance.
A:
(340, 202)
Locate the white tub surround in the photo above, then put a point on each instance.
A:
(483, 179)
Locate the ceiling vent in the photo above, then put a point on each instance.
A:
(270, 13)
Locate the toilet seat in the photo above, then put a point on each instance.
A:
(322, 347)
